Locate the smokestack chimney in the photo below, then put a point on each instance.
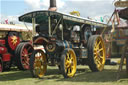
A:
(52, 5)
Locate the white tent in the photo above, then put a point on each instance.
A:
(18, 28)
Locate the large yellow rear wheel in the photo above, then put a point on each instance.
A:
(38, 64)
(68, 63)
(96, 53)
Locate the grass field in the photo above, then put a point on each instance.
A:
(53, 77)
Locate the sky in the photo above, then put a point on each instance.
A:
(12, 9)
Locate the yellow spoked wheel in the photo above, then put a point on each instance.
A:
(68, 63)
(96, 53)
(38, 64)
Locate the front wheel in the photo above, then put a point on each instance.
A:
(68, 63)
(38, 63)
(96, 53)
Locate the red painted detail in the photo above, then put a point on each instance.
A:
(25, 58)
(40, 41)
(30, 41)
(2, 42)
(53, 39)
(11, 44)
(6, 57)
(3, 50)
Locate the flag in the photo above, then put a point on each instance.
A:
(6, 21)
(101, 19)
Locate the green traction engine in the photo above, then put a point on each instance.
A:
(67, 41)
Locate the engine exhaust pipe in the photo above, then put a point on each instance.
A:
(52, 5)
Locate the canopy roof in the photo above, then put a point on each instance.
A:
(42, 16)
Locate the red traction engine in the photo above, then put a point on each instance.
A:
(15, 47)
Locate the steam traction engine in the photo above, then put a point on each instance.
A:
(15, 46)
(67, 40)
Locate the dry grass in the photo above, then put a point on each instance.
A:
(53, 77)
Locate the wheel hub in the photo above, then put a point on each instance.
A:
(38, 63)
(69, 63)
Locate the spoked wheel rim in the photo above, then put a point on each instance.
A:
(70, 63)
(99, 53)
(25, 55)
(40, 64)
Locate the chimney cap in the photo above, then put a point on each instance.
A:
(52, 5)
